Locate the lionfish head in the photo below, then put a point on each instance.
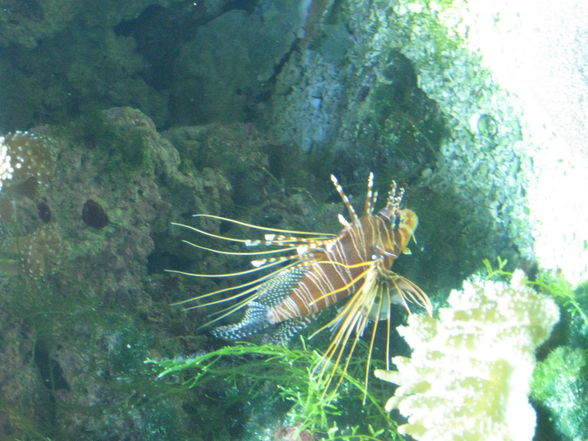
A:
(407, 222)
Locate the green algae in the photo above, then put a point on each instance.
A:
(283, 392)
(74, 338)
(127, 147)
(560, 387)
(574, 301)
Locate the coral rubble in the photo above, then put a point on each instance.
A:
(469, 373)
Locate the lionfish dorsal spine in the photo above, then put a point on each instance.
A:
(395, 196)
(369, 197)
(345, 199)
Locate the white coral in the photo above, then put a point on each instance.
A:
(469, 373)
(6, 169)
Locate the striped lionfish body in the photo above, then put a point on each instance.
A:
(318, 270)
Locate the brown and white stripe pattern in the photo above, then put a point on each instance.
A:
(306, 272)
(336, 272)
(318, 269)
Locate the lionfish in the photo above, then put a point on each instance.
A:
(317, 271)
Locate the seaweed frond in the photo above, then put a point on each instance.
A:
(498, 272)
(549, 283)
(558, 287)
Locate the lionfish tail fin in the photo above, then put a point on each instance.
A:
(254, 321)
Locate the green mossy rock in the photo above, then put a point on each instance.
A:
(560, 386)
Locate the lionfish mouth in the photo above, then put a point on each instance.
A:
(305, 272)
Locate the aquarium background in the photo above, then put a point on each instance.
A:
(118, 118)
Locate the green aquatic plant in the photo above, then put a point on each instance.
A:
(255, 369)
(558, 287)
(498, 272)
(546, 282)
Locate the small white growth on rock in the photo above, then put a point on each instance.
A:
(6, 169)
(469, 373)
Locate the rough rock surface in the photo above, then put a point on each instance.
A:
(80, 309)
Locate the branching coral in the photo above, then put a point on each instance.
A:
(469, 373)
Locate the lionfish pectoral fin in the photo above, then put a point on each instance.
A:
(254, 321)
(396, 299)
(408, 292)
(380, 312)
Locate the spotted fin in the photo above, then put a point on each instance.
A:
(254, 321)
(277, 288)
(284, 331)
